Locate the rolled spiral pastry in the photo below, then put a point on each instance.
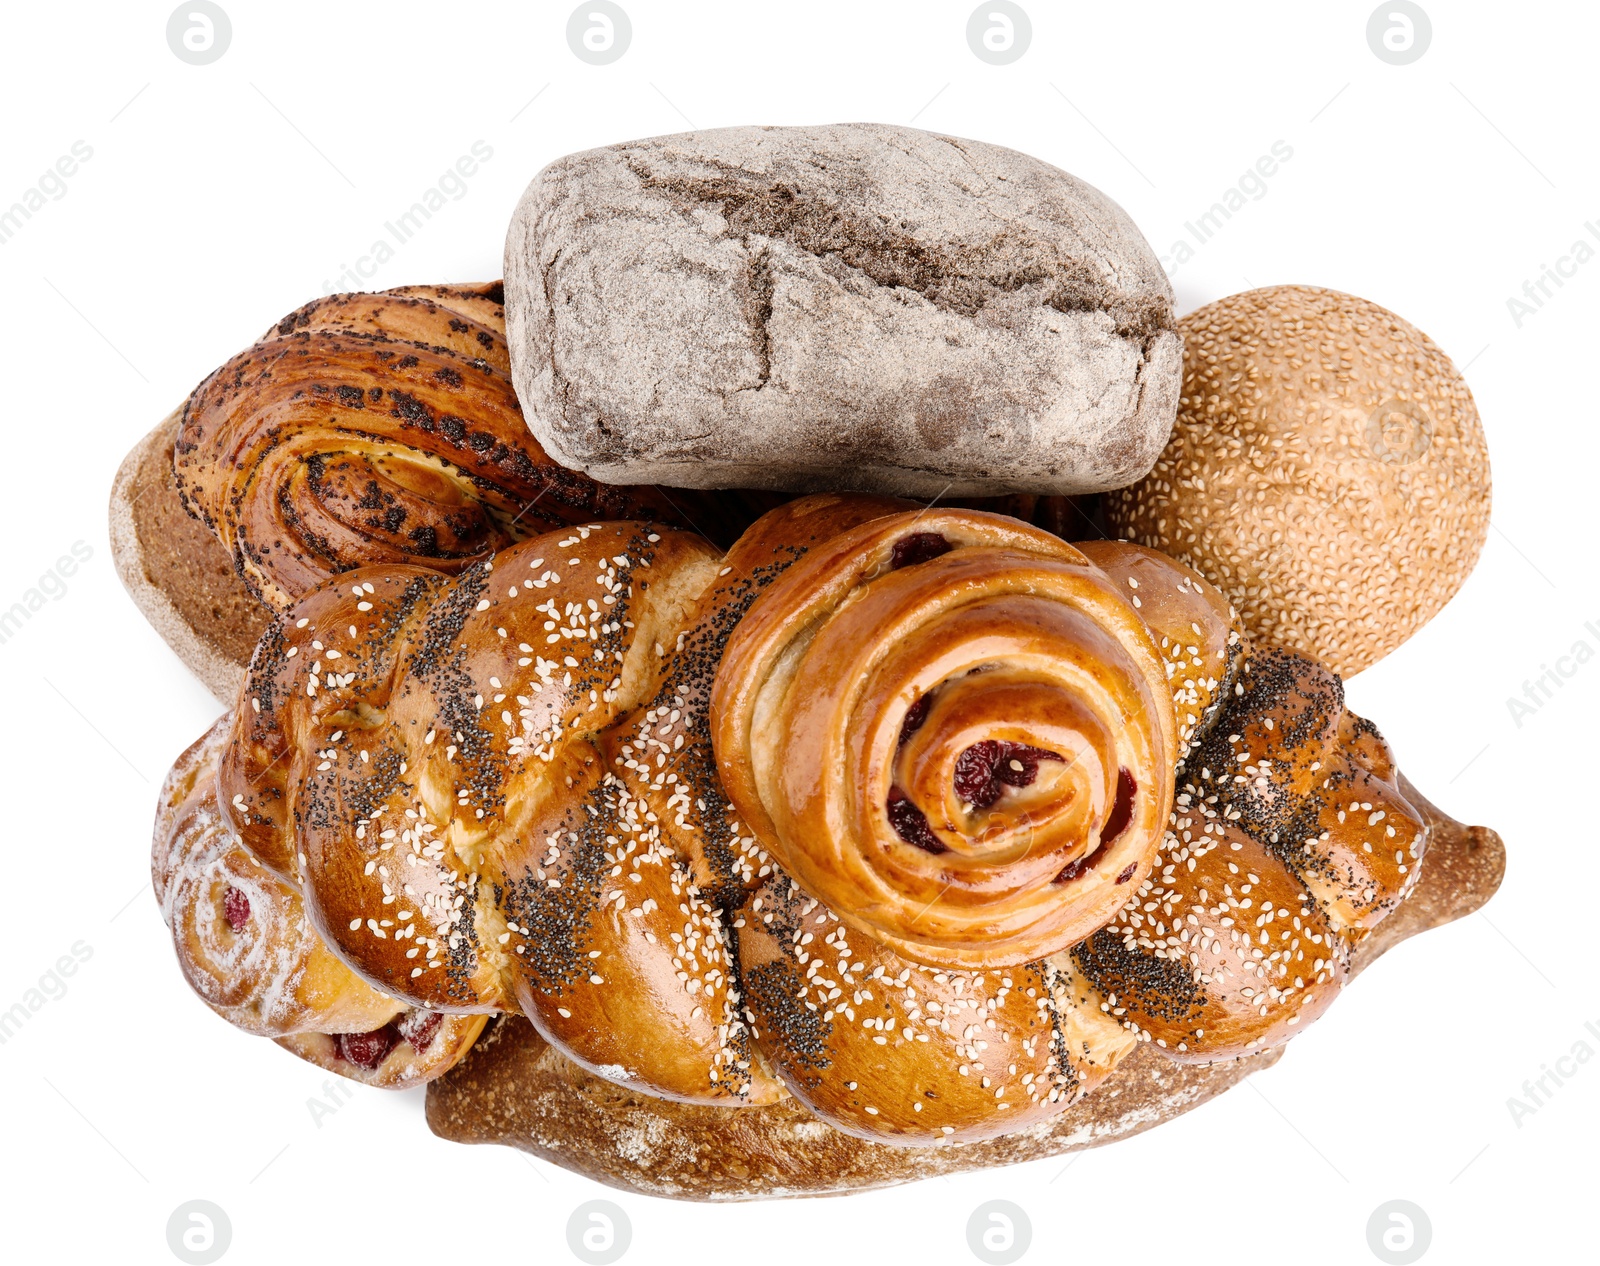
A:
(955, 732)
(245, 946)
(551, 784)
(383, 428)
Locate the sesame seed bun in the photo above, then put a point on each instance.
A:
(1327, 471)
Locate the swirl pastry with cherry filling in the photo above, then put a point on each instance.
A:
(244, 944)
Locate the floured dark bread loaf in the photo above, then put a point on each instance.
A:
(851, 306)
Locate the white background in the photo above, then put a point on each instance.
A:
(220, 197)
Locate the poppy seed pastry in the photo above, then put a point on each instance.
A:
(855, 306)
(1060, 808)
(378, 428)
(1328, 472)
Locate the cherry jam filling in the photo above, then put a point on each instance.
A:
(986, 769)
(982, 773)
(235, 908)
(1122, 808)
(1116, 824)
(918, 547)
(910, 824)
(419, 1028)
(916, 714)
(368, 1050)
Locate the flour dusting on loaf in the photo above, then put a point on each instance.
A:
(847, 306)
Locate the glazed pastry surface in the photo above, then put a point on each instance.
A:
(665, 802)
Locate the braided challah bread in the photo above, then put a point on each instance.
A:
(512, 1089)
(925, 818)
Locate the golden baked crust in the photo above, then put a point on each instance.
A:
(1327, 471)
(177, 572)
(524, 787)
(995, 721)
(515, 1090)
(184, 580)
(1196, 631)
(239, 930)
(894, 1051)
(1290, 842)
(246, 947)
(572, 854)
